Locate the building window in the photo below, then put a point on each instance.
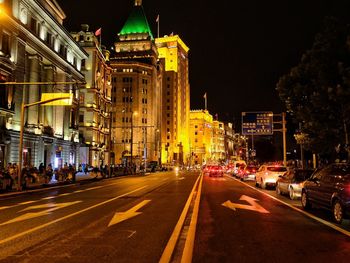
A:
(168, 122)
(168, 114)
(33, 25)
(5, 44)
(168, 107)
(81, 118)
(195, 133)
(168, 137)
(168, 93)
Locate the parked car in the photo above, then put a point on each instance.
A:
(248, 173)
(292, 182)
(267, 175)
(329, 188)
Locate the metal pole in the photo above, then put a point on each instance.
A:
(284, 130)
(110, 145)
(19, 187)
(132, 141)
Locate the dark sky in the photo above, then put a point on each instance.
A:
(238, 49)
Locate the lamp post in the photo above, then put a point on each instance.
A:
(132, 139)
(21, 133)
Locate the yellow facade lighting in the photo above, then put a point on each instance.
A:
(65, 101)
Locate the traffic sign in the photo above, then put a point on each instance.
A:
(257, 123)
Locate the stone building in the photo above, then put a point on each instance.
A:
(36, 49)
(136, 92)
(94, 100)
(173, 53)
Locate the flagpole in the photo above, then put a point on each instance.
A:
(158, 26)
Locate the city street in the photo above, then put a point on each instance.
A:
(82, 224)
(133, 219)
(241, 223)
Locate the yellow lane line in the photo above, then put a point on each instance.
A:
(189, 244)
(329, 224)
(66, 217)
(169, 249)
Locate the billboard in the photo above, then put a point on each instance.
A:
(257, 123)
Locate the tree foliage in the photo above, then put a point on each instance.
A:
(317, 91)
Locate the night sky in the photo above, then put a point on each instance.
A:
(238, 49)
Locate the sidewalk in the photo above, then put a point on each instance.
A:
(79, 177)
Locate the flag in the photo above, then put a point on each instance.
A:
(98, 32)
(205, 96)
(157, 19)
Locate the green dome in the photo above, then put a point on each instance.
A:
(137, 23)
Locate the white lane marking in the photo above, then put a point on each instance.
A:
(49, 197)
(67, 216)
(132, 212)
(335, 227)
(50, 207)
(169, 249)
(253, 205)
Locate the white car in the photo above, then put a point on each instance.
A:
(267, 175)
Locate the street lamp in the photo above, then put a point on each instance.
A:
(23, 107)
(132, 138)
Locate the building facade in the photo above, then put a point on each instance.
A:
(175, 100)
(201, 137)
(37, 51)
(95, 103)
(218, 151)
(229, 140)
(136, 93)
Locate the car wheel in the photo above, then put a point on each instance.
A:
(262, 184)
(338, 212)
(305, 203)
(256, 183)
(278, 190)
(291, 193)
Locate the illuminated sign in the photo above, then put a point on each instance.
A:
(66, 101)
(257, 123)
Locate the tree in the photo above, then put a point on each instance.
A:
(317, 91)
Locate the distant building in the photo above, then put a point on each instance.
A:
(175, 99)
(201, 136)
(218, 152)
(95, 103)
(35, 47)
(136, 92)
(229, 140)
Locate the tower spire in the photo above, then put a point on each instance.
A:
(138, 2)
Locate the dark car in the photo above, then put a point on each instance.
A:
(329, 188)
(292, 182)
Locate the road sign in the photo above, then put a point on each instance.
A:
(257, 123)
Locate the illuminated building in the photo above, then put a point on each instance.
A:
(175, 100)
(218, 142)
(136, 92)
(94, 100)
(229, 140)
(35, 47)
(201, 136)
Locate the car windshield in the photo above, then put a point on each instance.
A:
(301, 176)
(277, 169)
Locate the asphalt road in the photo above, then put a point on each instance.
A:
(117, 220)
(239, 223)
(137, 219)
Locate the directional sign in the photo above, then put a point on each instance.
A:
(257, 123)
(121, 216)
(253, 205)
(48, 208)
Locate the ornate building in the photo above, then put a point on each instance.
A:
(94, 100)
(201, 136)
(218, 152)
(36, 48)
(136, 92)
(175, 100)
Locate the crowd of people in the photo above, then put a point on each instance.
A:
(31, 174)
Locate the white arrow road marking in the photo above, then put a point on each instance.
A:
(121, 216)
(253, 205)
(49, 208)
